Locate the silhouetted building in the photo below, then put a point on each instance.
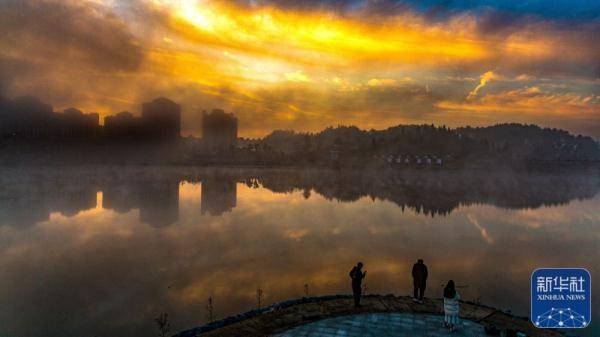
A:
(219, 130)
(123, 126)
(29, 118)
(73, 123)
(219, 195)
(25, 117)
(161, 119)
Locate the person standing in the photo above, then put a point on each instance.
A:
(451, 306)
(419, 274)
(357, 275)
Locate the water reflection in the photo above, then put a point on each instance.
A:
(92, 252)
(219, 194)
(27, 204)
(157, 200)
(28, 199)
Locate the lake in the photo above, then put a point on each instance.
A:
(102, 251)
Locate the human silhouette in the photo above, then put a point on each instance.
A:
(357, 275)
(451, 306)
(419, 274)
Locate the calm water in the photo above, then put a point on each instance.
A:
(102, 252)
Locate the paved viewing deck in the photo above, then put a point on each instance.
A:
(379, 316)
(383, 325)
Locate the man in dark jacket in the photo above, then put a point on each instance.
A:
(357, 275)
(419, 274)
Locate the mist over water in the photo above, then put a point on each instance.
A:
(103, 251)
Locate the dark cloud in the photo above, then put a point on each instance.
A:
(438, 9)
(51, 31)
(575, 50)
(65, 52)
(493, 21)
(558, 9)
(336, 5)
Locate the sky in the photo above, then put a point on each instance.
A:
(307, 65)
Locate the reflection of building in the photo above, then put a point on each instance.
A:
(23, 207)
(120, 197)
(161, 119)
(70, 200)
(159, 203)
(219, 130)
(219, 195)
(28, 204)
(157, 200)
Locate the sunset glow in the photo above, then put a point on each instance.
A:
(306, 67)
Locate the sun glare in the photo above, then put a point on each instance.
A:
(198, 13)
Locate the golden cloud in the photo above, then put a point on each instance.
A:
(285, 67)
(530, 100)
(483, 80)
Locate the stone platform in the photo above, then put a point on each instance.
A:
(383, 325)
(386, 313)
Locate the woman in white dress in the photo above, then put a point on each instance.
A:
(451, 306)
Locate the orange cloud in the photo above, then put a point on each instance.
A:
(530, 100)
(318, 37)
(288, 67)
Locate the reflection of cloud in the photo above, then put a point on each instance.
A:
(484, 233)
(524, 77)
(112, 274)
(297, 234)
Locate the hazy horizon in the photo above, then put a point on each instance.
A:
(326, 127)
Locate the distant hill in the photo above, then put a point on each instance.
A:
(515, 143)
(533, 142)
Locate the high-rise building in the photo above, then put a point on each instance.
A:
(75, 124)
(161, 119)
(122, 126)
(218, 196)
(219, 130)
